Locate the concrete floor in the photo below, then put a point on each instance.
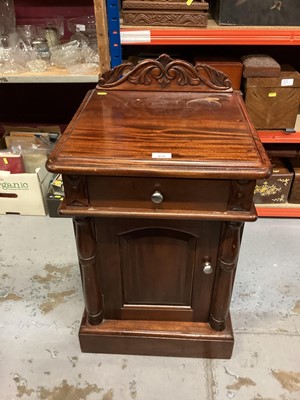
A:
(41, 305)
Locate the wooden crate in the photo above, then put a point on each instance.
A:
(273, 103)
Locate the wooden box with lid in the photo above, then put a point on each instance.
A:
(275, 189)
(159, 166)
(165, 13)
(273, 102)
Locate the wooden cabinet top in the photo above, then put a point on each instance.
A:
(191, 131)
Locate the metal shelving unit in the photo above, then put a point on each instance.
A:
(287, 210)
(213, 34)
(51, 75)
(112, 35)
(279, 136)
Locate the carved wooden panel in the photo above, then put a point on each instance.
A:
(165, 73)
(166, 13)
(163, 5)
(165, 18)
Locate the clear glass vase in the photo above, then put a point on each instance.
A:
(7, 17)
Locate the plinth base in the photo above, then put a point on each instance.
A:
(156, 338)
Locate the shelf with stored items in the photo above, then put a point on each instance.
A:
(51, 75)
(278, 137)
(236, 41)
(51, 96)
(278, 210)
(274, 136)
(281, 136)
(31, 16)
(213, 34)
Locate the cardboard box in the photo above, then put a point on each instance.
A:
(256, 12)
(24, 193)
(273, 103)
(275, 189)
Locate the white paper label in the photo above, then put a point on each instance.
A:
(135, 37)
(80, 27)
(287, 82)
(161, 155)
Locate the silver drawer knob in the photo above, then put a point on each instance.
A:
(157, 197)
(207, 268)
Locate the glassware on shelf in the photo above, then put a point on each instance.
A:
(37, 65)
(85, 24)
(52, 36)
(83, 68)
(80, 37)
(57, 23)
(66, 54)
(4, 42)
(40, 45)
(11, 68)
(89, 55)
(84, 30)
(27, 33)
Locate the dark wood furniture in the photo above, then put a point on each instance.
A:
(159, 167)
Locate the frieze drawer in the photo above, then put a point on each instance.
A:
(158, 193)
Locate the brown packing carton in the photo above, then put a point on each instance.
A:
(275, 189)
(273, 103)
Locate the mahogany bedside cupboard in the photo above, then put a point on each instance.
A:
(159, 167)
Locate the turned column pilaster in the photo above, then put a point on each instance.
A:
(226, 266)
(86, 248)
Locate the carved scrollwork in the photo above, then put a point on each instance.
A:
(165, 71)
(170, 18)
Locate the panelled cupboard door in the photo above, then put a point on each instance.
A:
(154, 269)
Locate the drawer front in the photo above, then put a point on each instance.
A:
(165, 194)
